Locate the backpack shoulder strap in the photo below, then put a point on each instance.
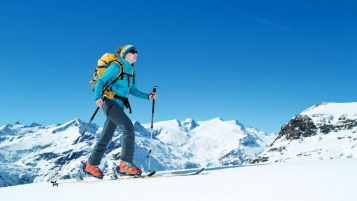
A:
(120, 74)
(133, 75)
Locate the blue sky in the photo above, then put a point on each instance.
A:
(258, 62)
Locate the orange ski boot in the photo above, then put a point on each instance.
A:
(93, 170)
(128, 168)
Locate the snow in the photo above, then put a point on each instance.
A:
(340, 142)
(330, 112)
(336, 109)
(335, 145)
(321, 166)
(176, 144)
(324, 180)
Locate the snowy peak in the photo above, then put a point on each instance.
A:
(336, 109)
(34, 124)
(321, 118)
(323, 131)
(11, 129)
(140, 129)
(176, 144)
(217, 119)
(239, 124)
(331, 112)
(188, 124)
(75, 124)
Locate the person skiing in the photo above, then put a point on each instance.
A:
(116, 117)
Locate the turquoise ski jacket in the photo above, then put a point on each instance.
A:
(120, 87)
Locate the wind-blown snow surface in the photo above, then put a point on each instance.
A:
(38, 151)
(327, 180)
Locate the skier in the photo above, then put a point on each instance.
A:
(116, 117)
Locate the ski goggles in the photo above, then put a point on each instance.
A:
(133, 51)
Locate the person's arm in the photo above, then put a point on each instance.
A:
(137, 93)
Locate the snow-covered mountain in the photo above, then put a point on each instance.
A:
(323, 131)
(34, 153)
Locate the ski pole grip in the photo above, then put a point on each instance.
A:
(153, 103)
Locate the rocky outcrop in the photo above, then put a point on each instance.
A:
(323, 131)
(299, 126)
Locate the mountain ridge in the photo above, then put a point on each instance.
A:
(176, 144)
(323, 131)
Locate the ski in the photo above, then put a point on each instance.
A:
(181, 174)
(117, 178)
(150, 175)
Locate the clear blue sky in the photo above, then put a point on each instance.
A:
(258, 62)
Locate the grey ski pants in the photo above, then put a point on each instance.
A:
(116, 117)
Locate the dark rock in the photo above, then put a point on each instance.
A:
(299, 126)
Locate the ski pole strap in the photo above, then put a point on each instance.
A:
(125, 101)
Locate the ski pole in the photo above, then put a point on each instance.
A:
(69, 156)
(59, 172)
(152, 124)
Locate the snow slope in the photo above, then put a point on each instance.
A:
(327, 180)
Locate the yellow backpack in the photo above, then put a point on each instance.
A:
(103, 64)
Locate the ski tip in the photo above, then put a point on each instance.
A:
(151, 173)
(199, 171)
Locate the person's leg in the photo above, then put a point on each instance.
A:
(102, 142)
(126, 165)
(120, 119)
(99, 149)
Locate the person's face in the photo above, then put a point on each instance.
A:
(131, 56)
